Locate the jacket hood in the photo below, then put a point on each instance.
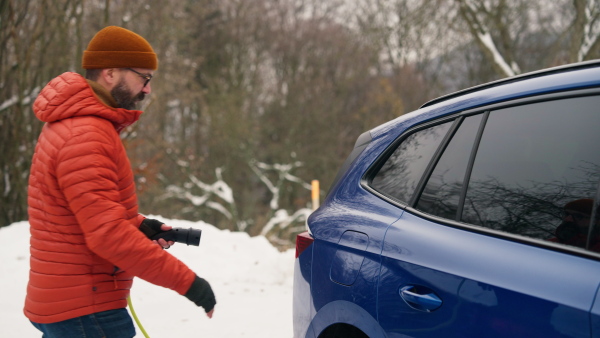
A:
(69, 95)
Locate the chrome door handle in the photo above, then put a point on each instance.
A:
(420, 298)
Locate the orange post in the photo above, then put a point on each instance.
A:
(315, 194)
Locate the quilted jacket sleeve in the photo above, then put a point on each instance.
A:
(95, 176)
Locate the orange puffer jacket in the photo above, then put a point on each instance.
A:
(85, 243)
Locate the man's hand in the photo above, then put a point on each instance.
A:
(202, 295)
(151, 227)
(164, 244)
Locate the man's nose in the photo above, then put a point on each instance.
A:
(147, 89)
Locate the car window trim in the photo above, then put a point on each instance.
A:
(469, 169)
(593, 217)
(520, 77)
(572, 250)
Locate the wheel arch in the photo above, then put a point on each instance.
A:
(344, 312)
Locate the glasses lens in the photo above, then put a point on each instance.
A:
(146, 77)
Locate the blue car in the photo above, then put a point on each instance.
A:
(474, 216)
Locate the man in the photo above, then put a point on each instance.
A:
(574, 229)
(87, 239)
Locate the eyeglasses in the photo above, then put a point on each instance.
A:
(577, 216)
(146, 77)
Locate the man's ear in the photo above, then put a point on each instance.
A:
(109, 77)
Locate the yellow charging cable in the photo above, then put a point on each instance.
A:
(137, 321)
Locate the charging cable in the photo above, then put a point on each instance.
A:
(188, 236)
(135, 317)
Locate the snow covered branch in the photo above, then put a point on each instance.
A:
(218, 188)
(283, 219)
(280, 218)
(473, 11)
(14, 100)
(591, 29)
(199, 193)
(283, 174)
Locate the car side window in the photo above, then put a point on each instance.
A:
(401, 173)
(536, 171)
(441, 196)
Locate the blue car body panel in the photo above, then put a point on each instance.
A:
(486, 284)
(595, 316)
(392, 273)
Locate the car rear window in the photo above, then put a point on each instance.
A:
(402, 171)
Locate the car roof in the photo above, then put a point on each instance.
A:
(551, 80)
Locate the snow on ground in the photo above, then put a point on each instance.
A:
(252, 281)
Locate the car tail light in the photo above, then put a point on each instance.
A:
(303, 241)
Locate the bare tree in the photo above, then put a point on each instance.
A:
(585, 30)
(31, 55)
(273, 82)
(484, 17)
(504, 31)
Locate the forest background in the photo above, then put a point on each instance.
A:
(254, 99)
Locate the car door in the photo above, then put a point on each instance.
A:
(595, 316)
(439, 281)
(478, 252)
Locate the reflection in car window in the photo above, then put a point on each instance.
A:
(441, 195)
(401, 173)
(531, 162)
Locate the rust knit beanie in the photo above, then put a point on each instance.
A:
(116, 47)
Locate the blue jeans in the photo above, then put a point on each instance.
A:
(106, 324)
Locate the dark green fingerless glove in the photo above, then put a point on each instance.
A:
(202, 294)
(150, 227)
